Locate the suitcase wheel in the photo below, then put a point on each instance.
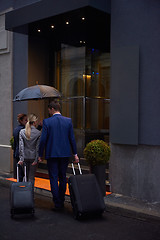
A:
(77, 215)
(12, 213)
(32, 213)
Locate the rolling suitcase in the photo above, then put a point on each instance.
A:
(22, 200)
(85, 194)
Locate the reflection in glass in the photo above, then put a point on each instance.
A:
(83, 76)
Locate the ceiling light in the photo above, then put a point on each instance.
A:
(52, 26)
(83, 18)
(67, 22)
(39, 30)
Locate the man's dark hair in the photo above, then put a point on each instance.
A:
(55, 104)
(21, 116)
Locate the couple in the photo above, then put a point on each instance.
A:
(26, 142)
(57, 138)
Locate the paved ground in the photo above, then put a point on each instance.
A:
(49, 225)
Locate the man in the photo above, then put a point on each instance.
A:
(57, 138)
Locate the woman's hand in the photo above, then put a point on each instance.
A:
(20, 163)
(34, 163)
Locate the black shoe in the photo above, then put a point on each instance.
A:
(57, 209)
(60, 208)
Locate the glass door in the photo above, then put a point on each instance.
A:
(83, 77)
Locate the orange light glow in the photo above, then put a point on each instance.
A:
(45, 184)
(86, 76)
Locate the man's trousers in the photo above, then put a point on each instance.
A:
(57, 168)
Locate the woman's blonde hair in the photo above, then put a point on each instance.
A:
(31, 119)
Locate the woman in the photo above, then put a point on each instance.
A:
(28, 146)
(22, 120)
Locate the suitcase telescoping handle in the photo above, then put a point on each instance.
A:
(79, 167)
(25, 172)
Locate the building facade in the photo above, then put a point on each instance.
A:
(104, 58)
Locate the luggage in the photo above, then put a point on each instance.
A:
(22, 200)
(85, 194)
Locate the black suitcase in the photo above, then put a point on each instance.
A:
(22, 199)
(85, 194)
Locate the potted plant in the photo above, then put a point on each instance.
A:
(12, 142)
(97, 153)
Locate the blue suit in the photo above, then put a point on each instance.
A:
(58, 140)
(57, 137)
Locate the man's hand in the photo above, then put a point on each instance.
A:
(40, 159)
(76, 158)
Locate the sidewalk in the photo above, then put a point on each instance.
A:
(132, 207)
(115, 203)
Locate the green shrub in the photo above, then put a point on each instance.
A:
(97, 152)
(12, 142)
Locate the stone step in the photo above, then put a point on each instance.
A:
(85, 169)
(41, 173)
(43, 165)
(82, 161)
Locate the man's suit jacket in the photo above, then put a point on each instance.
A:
(57, 137)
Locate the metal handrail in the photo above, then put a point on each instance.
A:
(82, 97)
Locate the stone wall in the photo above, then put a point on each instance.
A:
(135, 94)
(134, 171)
(5, 95)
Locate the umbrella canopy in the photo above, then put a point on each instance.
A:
(37, 92)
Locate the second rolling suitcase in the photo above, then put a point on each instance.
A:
(22, 200)
(85, 194)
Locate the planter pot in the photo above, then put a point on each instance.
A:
(100, 173)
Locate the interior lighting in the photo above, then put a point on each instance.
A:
(83, 18)
(82, 41)
(52, 26)
(86, 76)
(39, 30)
(67, 23)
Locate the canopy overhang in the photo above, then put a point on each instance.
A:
(18, 19)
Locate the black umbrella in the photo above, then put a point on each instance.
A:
(37, 92)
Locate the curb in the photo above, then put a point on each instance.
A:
(132, 207)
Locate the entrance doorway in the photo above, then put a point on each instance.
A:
(71, 52)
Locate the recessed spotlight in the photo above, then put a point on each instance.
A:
(39, 30)
(83, 18)
(80, 41)
(67, 23)
(52, 26)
